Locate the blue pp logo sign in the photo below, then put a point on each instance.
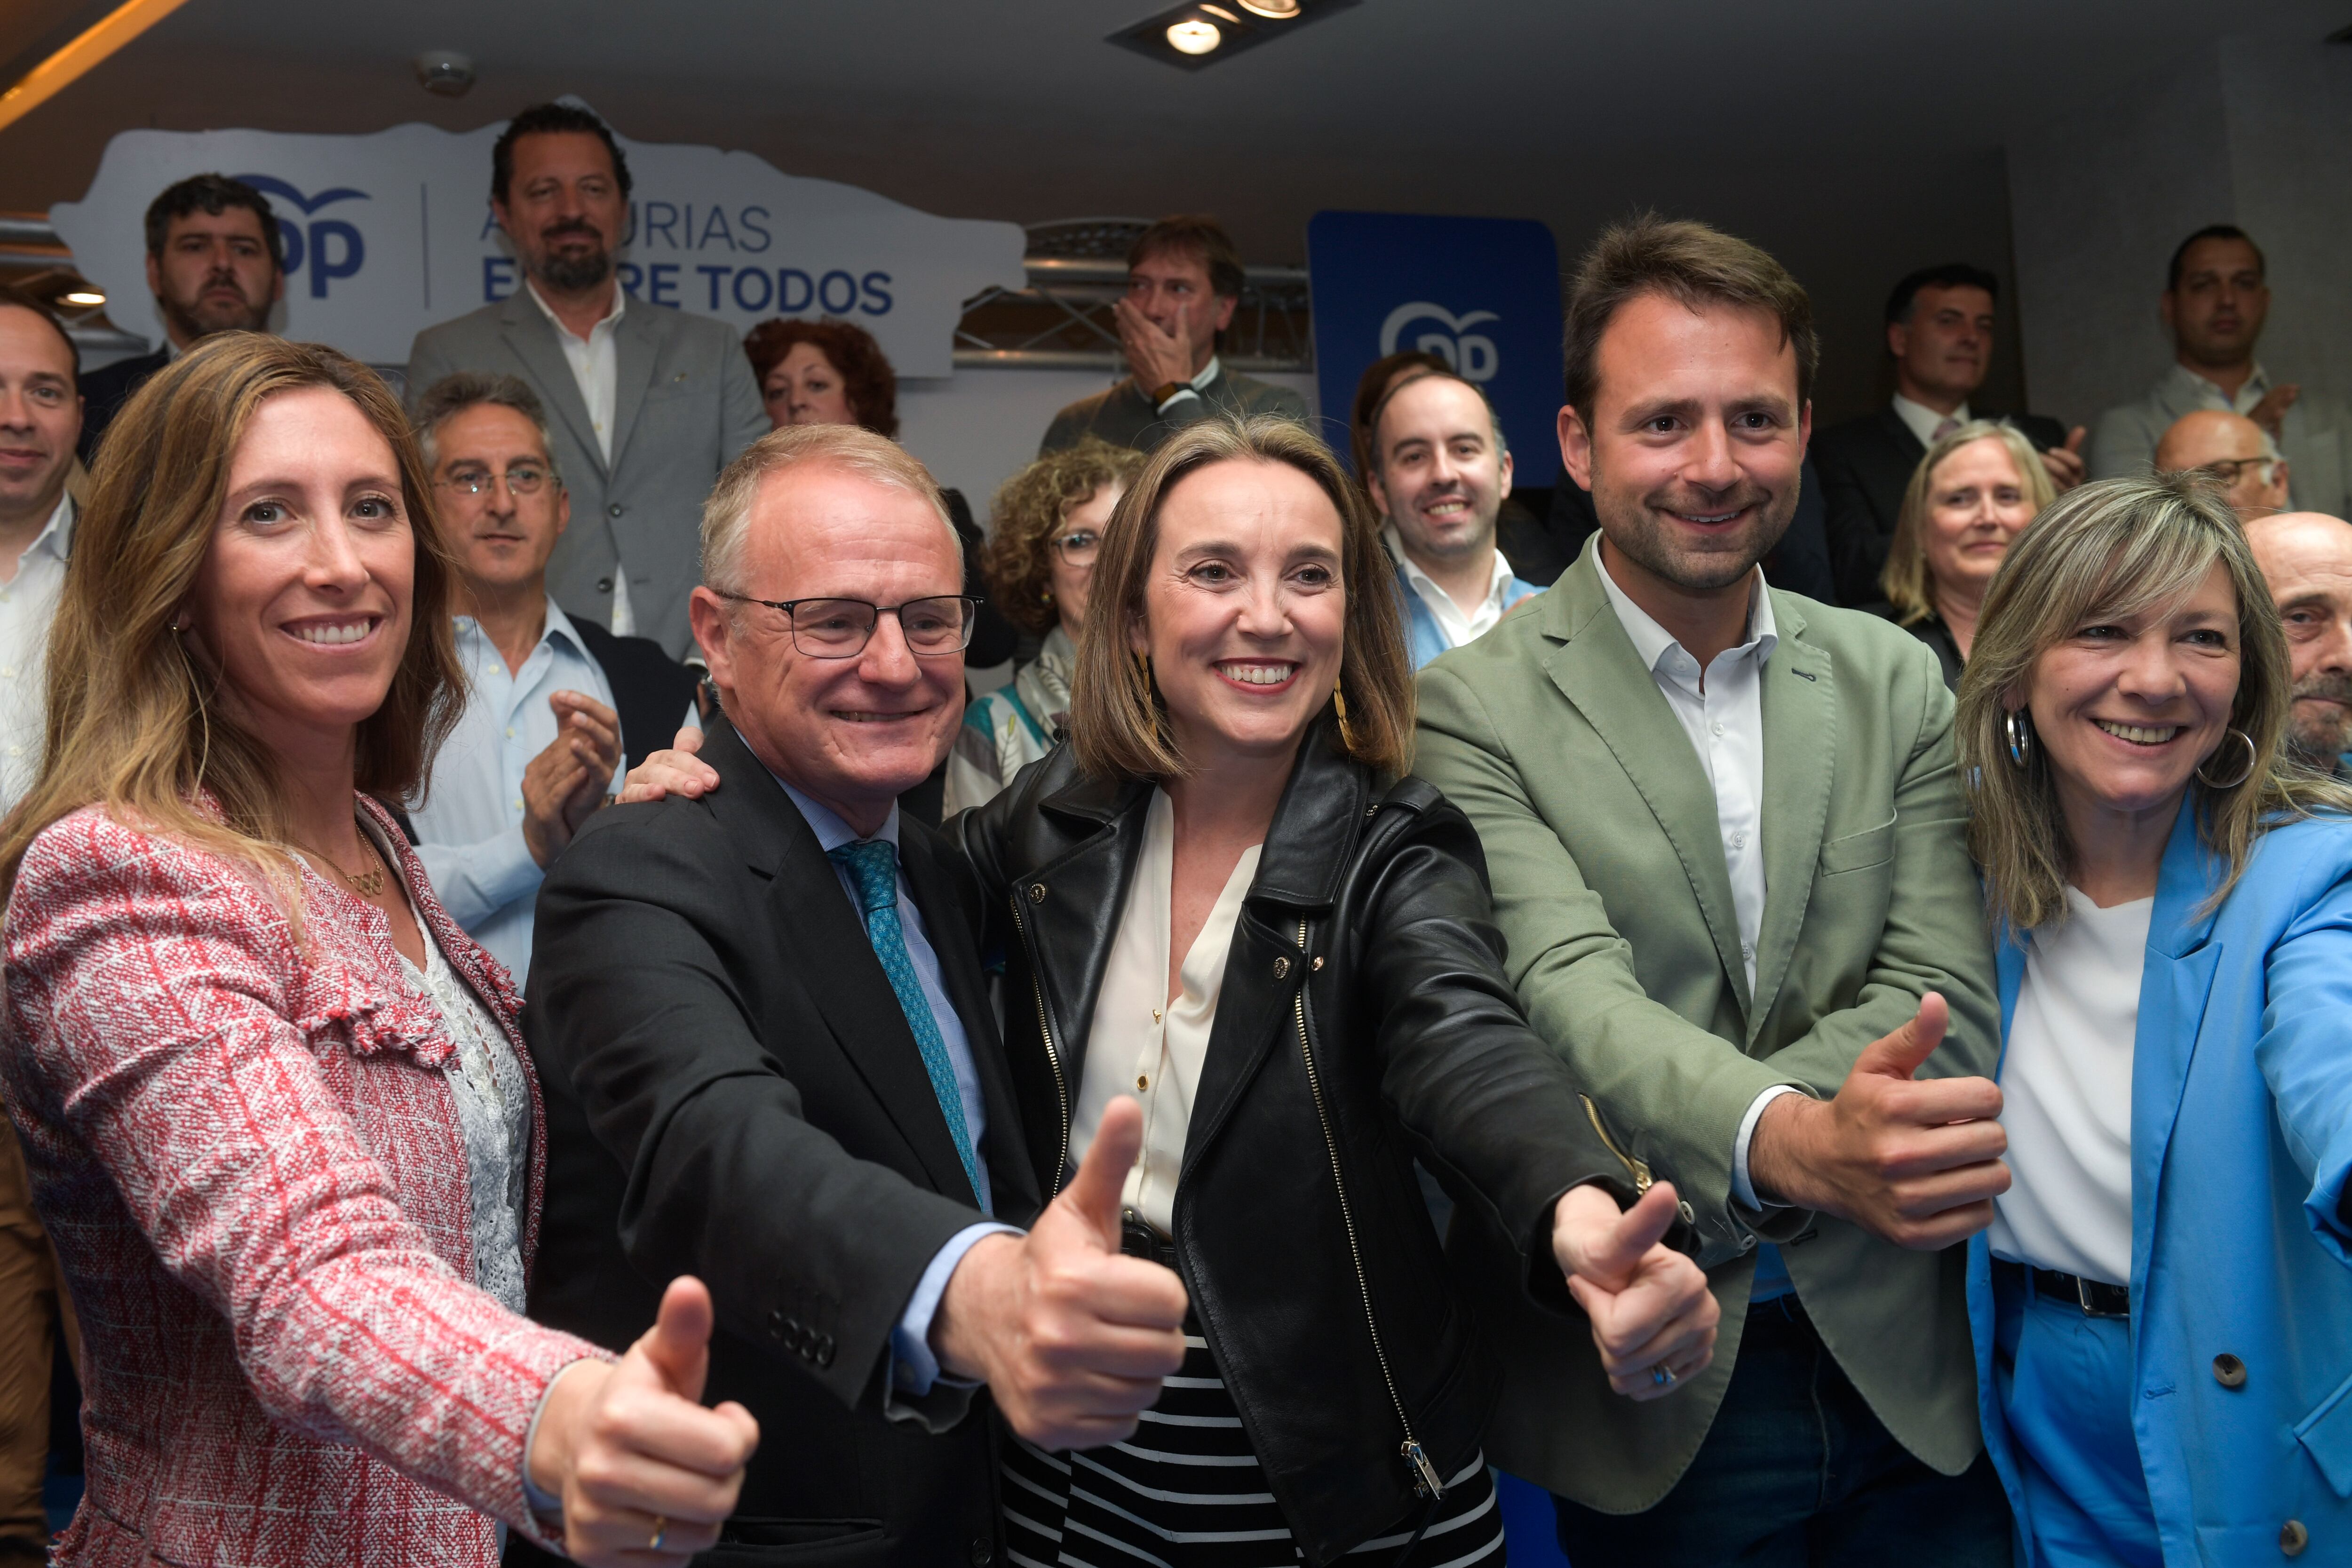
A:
(327, 248)
(1471, 355)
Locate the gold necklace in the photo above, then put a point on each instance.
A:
(368, 884)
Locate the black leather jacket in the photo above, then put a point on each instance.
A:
(1365, 1020)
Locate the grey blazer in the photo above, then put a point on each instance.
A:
(685, 405)
(1124, 416)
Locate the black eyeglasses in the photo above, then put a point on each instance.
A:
(840, 628)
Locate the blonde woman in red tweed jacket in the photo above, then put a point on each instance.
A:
(278, 1119)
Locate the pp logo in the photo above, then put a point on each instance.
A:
(1471, 354)
(329, 246)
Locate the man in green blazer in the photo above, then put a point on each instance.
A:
(1726, 838)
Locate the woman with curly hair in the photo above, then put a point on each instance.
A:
(1049, 521)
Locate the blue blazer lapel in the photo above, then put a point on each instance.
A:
(2174, 988)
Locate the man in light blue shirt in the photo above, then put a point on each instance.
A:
(539, 745)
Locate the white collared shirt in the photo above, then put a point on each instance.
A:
(1458, 627)
(2202, 393)
(1722, 714)
(1200, 383)
(1924, 421)
(595, 362)
(28, 603)
(1144, 1044)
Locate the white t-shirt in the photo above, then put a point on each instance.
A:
(2066, 1094)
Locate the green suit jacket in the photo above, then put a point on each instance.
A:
(1609, 885)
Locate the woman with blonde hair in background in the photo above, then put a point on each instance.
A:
(278, 1121)
(2162, 1306)
(1973, 493)
(1048, 525)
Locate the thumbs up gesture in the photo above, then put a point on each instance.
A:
(1650, 1305)
(1914, 1162)
(1071, 1336)
(646, 1473)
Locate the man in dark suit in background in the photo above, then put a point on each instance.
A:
(1183, 279)
(215, 263)
(769, 1058)
(1939, 328)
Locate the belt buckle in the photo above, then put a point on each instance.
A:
(2083, 1298)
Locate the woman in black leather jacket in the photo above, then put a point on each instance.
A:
(1224, 900)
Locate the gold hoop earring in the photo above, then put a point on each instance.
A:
(2243, 773)
(1150, 704)
(1340, 705)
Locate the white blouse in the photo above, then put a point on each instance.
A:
(2066, 1094)
(1142, 1044)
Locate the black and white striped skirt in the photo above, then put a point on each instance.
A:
(1186, 1492)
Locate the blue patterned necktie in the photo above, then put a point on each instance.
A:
(873, 866)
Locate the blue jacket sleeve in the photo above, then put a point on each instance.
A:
(2306, 1054)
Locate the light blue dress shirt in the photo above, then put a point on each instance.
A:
(913, 1366)
(469, 829)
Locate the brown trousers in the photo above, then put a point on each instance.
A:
(33, 1314)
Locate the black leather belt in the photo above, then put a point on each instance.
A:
(1136, 1238)
(2093, 1298)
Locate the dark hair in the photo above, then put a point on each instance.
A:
(867, 378)
(17, 298)
(1950, 275)
(2211, 231)
(551, 120)
(1372, 390)
(212, 194)
(463, 389)
(1687, 262)
(1197, 235)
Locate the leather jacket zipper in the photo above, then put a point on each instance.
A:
(1045, 1028)
(1638, 1170)
(1425, 1481)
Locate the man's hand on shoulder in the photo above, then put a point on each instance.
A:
(675, 770)
(1071, 1336)
(1914, 1162)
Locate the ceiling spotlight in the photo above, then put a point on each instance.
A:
(83, 297)
(1194, 36)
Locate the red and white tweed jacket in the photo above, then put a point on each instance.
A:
(248, 1156)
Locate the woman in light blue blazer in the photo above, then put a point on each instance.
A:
(2163, 1304)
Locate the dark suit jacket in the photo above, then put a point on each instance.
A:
(651, 690)
(105, 390)
(732, 1091)
(1866, 464)
(1123, 415)
(1799, 563)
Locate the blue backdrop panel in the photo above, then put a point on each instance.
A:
(1481, 293)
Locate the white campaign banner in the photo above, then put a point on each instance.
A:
(391, 233)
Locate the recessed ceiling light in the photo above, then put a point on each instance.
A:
(1194, 36)
(83, 297)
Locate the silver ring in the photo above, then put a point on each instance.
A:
(661, 1527)
(1662, 1376)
